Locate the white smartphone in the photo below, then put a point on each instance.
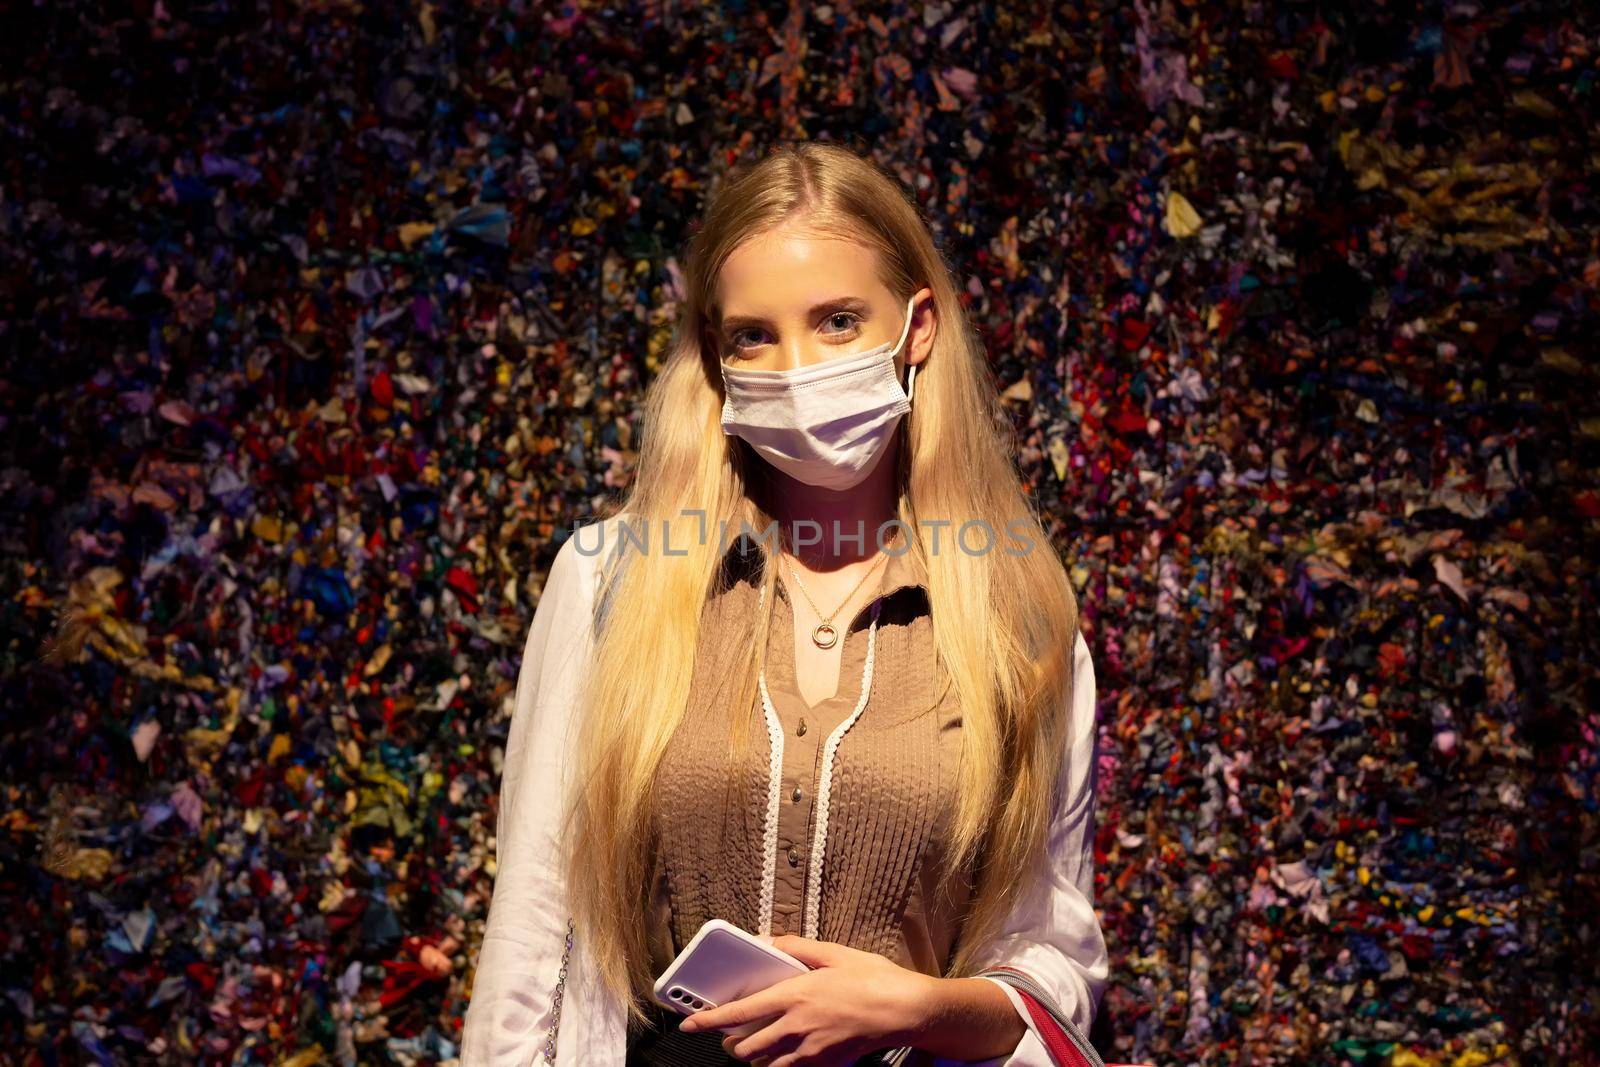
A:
(722, 963)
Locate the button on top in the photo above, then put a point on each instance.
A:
(796, 797)
(794, 856)
(800, 731)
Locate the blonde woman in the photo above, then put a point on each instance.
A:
(819, 676)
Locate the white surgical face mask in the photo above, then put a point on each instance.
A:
(826, 424)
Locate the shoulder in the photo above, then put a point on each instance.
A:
(576, 571)
(1082, 705)
(1082, 661)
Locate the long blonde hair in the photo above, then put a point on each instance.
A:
(1005, 622)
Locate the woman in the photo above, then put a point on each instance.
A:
(820, 677)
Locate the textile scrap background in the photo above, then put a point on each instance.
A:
(324, 322)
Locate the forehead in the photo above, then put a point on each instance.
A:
(774, 271)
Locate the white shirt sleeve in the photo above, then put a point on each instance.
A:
(510, 1010)
(1053, 934)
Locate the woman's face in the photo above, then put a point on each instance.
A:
(790, 299)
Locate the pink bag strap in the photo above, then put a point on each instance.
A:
(1063, 1053)
(1067, 1049)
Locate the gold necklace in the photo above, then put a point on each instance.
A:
(823, 634)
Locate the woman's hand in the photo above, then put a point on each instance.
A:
(852, 1003)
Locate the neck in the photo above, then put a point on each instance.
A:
(807, 514)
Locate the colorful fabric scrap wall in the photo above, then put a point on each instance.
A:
(322, 323)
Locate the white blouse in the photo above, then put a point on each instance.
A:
(1053, 934)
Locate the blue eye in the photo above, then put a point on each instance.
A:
(841, 322)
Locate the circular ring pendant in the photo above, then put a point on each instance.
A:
(824, 635)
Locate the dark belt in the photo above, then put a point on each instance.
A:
(664, 1045)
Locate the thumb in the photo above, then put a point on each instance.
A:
(807, 950)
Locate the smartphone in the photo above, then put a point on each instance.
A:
(722, 963)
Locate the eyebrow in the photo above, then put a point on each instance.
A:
(838, 303)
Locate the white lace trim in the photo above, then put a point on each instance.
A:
(819, 839)
(769, 870)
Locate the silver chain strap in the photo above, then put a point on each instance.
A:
(555, 1004)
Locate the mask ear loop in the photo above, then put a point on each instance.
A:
(911, 368)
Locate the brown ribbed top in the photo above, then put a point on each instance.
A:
(892, 793)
